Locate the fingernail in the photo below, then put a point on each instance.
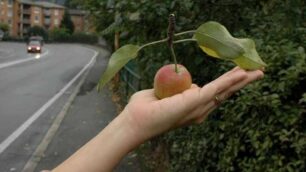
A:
(262, 69)
(261, 75)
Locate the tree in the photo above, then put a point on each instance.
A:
(73, 4)
(67, 23)
(4, 27)
(38, 31)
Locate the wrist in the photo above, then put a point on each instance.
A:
(130, 129)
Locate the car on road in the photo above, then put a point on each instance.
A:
(37, 38)
(34, 47)
(1, 34)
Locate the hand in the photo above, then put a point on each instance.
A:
(145, 116)
(149, 116)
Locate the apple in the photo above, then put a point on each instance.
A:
(168, 81)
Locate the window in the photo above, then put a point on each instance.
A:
(56, 22)
(10, 13)
(10, 3)
(36, 10)
(47, 12)
(56, 12)
(36, 19)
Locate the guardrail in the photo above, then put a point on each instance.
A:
(131, 81)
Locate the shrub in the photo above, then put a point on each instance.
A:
(84, 38)
(7, 37)
(4, 27)
(61, 35)
(262, 127)
(37, 31)
(58, 35)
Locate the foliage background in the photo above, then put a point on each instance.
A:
(261, 128)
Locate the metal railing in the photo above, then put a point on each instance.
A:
(131, 82)
(26, 21)
(26, 11)
(47, 21)
(47, 12)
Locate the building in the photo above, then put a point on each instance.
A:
(82, 21)
(7, 12)
(78, 19)
(44, 14)
(20, 15)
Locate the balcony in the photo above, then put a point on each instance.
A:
(26, 11)
(25, 29)
(47, 12)
(26, 21)
(47, 22)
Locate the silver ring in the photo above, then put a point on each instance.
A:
(217, 100)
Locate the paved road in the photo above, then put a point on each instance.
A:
(27, 83)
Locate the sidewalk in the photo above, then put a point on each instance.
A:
(89, 114)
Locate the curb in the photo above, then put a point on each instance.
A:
(32, 163)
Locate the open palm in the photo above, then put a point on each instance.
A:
(152, 116)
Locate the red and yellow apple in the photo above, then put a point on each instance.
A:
(168, 81)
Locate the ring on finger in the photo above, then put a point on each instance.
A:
(217, 100)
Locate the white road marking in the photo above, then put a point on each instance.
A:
(10, 139)
(4, 65)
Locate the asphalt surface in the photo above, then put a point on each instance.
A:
(26, 87)
(12, 51)
(89, 114)
(29, 81)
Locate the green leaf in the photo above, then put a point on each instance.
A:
(118, 59)
(216, 41)
(250, 59)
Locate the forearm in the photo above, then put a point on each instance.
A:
(104, 151)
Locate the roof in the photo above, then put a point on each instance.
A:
(77, 12)
(41, 4)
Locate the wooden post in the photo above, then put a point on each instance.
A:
(116, 46)
(116, 42)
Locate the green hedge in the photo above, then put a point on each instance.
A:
(7, 37)
(61, 35)
(262, 127)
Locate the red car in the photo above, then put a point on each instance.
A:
(34, 47)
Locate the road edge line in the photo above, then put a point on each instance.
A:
(32, 163)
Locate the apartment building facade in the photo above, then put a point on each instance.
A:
(20, 15)
(7, 12)
(78, 19)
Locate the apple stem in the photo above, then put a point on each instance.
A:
(174, 58)
(171, 29)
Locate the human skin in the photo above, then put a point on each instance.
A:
(145, 116)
